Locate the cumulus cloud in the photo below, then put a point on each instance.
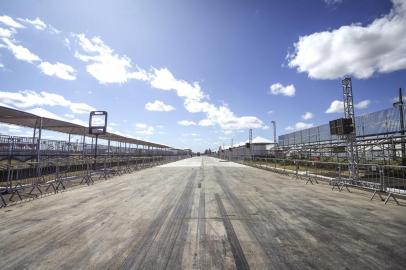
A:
(6, 33)
(337, 106)
(186, 123)
(59, 70)
(109, 67)
(279, 89)
(356, 50)
(206, 123)
(105, 65)
(158, 106)
(37, 23)
(299, 126)
(195, 102)
(10, 22)
(45, 113)
(222, 116)
(25, 99)
(363, 104)
(144, 129)
(307, 116)
(20, 52)
(163, 79)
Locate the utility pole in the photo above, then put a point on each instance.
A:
(250, 141)
(400, 104)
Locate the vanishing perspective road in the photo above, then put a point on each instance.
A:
(203, 213)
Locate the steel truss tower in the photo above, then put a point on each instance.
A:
(351, 142)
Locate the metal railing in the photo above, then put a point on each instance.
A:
(28, 180)
(16, 147)
(388, 180)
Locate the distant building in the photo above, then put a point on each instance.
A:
(260, 147)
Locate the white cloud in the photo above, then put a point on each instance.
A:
(103, 64)
(141, 128)
(186, 123)
(10, 22)
(158, 106)
(45, 113)
(279, 89)
(307, 116)
(363, 104)
(20, 52)
(37, 23)
(5, 33)
(25, 99)
(206, 123)
(163, 79)
(222, 116)
(14, 130)
(108, 67)
(337, 106)
(332, 2)
(81, 108)
(59, 70)
(357, 50)
(299, 126)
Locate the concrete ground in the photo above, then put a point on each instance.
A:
(239, 218)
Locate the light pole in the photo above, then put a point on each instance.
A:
(400, 104)
(274, 131)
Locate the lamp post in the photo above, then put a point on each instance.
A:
(400, 104)
(274, 131)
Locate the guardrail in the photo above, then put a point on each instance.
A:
(28, 180)
(386, 180)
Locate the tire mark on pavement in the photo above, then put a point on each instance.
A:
(275, 257)
(155, 248)
(201, 235)
(238, 254)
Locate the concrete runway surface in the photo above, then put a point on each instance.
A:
(240, 218)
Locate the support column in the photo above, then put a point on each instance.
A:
(39, 140)
(83, 143)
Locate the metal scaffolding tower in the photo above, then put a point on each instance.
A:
(350, 138)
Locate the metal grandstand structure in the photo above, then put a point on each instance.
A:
(379, 139)
(33, 166)
(35, 147)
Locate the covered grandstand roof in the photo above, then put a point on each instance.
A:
(25, 119)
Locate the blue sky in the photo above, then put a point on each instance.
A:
(196, 74)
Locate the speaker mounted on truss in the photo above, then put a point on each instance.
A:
(341, 126)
